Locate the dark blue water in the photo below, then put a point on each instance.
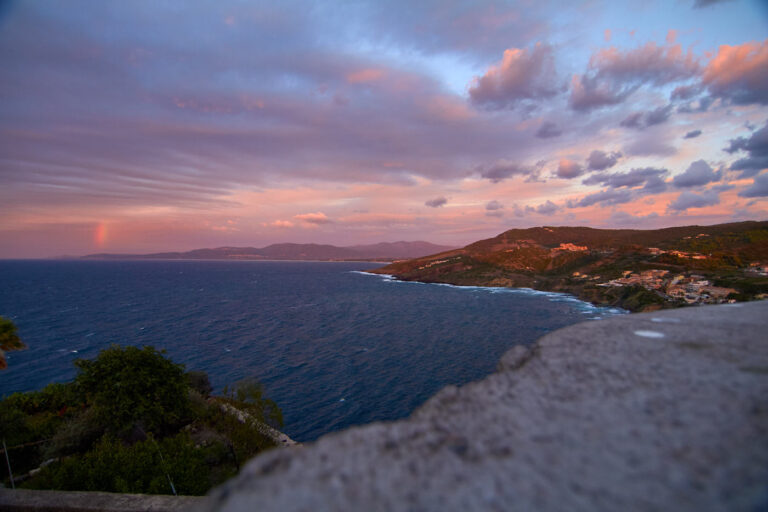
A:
(334, 347)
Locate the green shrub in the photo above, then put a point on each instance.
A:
(249, 396)
(200, 382)
(132, 388)
(9, 337)
(113, 466)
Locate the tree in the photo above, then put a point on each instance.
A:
(9, 340)
(131, 388)
(248, 395)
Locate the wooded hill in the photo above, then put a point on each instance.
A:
(586, 262)
(387, 251)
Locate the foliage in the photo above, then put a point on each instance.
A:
(9, 337)
(200, 382)
(249, 395)
(73, 436)
(113, 466)
(131, 387)
(106, 426)
(54, 397)
(27, 417)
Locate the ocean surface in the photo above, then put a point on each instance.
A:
(333, 346)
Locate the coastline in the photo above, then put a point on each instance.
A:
(523, 289)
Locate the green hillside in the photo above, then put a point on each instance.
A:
(636, 269)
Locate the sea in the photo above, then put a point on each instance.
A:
(334, 346)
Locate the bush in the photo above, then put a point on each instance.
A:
(199, 382)
(132, 387)
(9, 339)
(249, 396)
(112, 466)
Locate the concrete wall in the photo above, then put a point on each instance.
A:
(22, 500)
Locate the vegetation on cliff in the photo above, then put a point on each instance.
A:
(9, 339)
(133, 421)
(638, 270)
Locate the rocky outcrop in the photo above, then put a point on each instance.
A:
(656, 411)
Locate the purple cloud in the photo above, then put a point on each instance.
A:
(756, 147)
(547, 130)
(467, 26)
(739, 74)
(548, 208)
(641, 120)
(658, 115)
(494, 209)
(313, 218)
(436, 202)
(688, 200)
(613, 75)
(634, 120)
(635, 178)
(589, 93)
(503, 169)
(605, 197)
(685, 92)
(650, 144)
(698, 173)
(622, 218)
(600, 160)
(569, 169)
(692, 134)
(759, 187)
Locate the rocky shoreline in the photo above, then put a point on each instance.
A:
(634, 300)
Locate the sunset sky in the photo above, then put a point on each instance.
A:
(142, 126)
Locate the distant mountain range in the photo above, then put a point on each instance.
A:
(387, 251)
(634, 269)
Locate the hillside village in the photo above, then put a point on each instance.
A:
(639, 270)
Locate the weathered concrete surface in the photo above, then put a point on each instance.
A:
(658, 411)
(22, 500)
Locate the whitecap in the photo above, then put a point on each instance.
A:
(670, 319)
(649, 334)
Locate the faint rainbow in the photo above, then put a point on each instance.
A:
(100, 234)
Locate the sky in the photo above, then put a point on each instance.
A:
(149, 126)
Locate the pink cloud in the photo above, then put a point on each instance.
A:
(739, 73)
(657, 64)
(448, 108)
(364, 76)
(279, 224)
(313, 218)
(614, 74)
(521, 75)
(569, 169)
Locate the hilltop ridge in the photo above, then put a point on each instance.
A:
(292, 251)
(638, 270)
